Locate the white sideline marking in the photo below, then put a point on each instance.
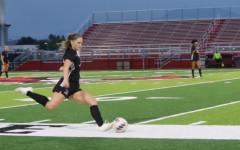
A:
(133, 131)
(164, 98)
(227, 82)
(129, 91)
(2, 119)
(40, 121)
(189, 112)
(198, 123)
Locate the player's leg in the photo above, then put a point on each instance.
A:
(6, 70)
(193, 67)
(56, 99)
(3, 70)
(220, 63)
(84, 97)
(216, 63)
(199, 67)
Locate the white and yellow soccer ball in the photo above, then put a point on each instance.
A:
(120, 125)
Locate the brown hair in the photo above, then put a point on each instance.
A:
(67, 44)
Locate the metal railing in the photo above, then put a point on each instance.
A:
(161, 53)
(159, 15)
(20, 59)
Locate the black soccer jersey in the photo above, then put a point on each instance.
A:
(5, 55)
(194, 56)
(74, 70)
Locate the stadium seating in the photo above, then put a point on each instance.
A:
(138, 33)
(163, 32)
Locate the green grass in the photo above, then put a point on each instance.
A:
(40, 143)
(217, 87)
(225, 115)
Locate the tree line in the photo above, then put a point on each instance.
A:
(47, 44)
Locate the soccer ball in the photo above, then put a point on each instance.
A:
(120, 125)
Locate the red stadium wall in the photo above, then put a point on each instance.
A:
(181, 64)
(110, 65)
(39, 65)
(94, 65)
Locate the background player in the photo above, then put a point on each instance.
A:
(195, 57)
(68, 85)
(218, 59)
(5, 61)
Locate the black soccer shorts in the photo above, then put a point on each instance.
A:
(74, 87)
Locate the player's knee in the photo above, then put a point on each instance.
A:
(50, 107)
(93, 102)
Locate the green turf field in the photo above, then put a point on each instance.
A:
(212, 100)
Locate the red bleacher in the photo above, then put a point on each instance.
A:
(136, 33)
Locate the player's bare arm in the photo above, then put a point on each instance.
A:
(2, 57)
(67, 64)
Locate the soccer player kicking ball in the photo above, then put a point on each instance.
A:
(68, 85)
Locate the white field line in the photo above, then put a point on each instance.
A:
(109, 82)
(132, 91)
(146, 89)
(18, 106)
(170, 87)
(2, 119)
(198, 123)
(40, 121)
(88, 122)
(29, 85)
(189, 112)
(164, 98)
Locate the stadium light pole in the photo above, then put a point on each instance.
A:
(2, 21)
(47, 45)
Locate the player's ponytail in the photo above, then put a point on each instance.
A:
(67, 43)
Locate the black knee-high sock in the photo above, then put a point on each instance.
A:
(193, 73)
(96, 115)
(38, 98)
(1, 73)
(6, 73)
(200, 72)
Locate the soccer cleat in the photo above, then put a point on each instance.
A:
(23, 90)
(106, 126)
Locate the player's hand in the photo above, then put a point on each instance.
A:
(66, 84)
(61, 68)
